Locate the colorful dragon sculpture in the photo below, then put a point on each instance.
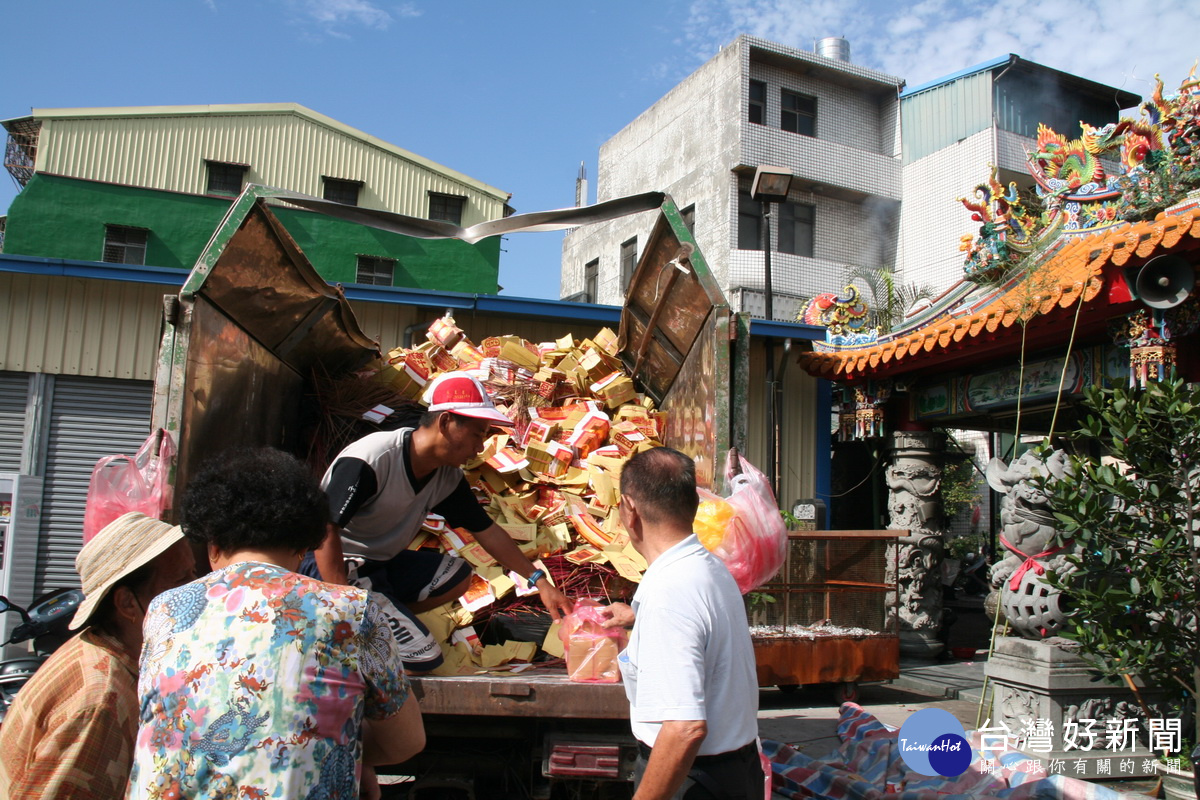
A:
(842, 314)
(1006, 235)
(1157, 160)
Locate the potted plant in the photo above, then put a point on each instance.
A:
(1133, 514)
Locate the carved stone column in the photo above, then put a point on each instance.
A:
(914, 481)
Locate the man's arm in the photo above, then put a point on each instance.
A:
(501, 547)
(671, 758)
(330, 559)
(351, 483)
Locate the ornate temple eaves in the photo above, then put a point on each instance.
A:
(970, 327)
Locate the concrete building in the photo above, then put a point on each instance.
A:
(148, 185)
(878, 168)
(955, 126)
(835, 124)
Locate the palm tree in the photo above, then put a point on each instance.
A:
(890, 301)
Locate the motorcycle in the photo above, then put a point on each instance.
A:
(47, 622)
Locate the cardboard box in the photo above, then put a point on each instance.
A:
(507, 461)
(444, 332)
(468, 355)
(549, 458)
(616, 389)
(626, 436)
(592, 658)
(522, 355)
(408, 375)
(597, 365)
(490, 347)
(606, 340)
(540, 430)
(641, 417)
(590, 434)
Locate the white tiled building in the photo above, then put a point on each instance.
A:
(837, 126)
(834, 124)
(957, 126)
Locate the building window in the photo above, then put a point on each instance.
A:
(628, 262)
(591, 277)
(796, 223)
(376, 271)
(446, 207)
(124, 245)
(758, 102)
(798, 113)
(224, 178)
(340, 191)
(689, 219)
(749, 222)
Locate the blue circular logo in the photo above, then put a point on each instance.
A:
(933, 742)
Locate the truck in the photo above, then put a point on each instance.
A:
(254, 322)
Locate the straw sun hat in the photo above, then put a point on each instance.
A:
(130, 541)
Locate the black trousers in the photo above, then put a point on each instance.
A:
(736, 775)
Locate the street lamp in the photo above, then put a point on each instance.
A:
(771, 185)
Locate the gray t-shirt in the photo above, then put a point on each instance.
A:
(386, 521)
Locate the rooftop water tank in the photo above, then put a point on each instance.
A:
(834, 47)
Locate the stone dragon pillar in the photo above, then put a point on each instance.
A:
(914, 481)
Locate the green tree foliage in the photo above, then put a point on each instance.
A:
(1135, 591)
(889, 300)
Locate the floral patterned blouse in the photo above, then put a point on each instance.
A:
(254, 684)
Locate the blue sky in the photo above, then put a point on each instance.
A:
(517, 94)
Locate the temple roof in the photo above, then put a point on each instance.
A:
(1076, 287)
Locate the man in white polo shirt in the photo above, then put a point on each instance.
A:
(689, 667)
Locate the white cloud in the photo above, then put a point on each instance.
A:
(333, 17)
(1118, 42)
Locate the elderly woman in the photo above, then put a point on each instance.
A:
(257, 681)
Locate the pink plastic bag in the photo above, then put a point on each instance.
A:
(754, 544)
(121, 484)
(591, 649)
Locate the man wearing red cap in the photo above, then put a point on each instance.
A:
(383, 486)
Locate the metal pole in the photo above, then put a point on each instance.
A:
(778, 406)
(769, 344)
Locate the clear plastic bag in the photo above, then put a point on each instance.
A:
(745, 529)
(591, 649)
(121, 484)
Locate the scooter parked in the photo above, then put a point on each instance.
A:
(47, 623)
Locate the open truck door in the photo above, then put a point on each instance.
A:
(683, 346)
(254, 322)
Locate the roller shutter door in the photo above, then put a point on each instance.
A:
(14, 389)
(89, 418)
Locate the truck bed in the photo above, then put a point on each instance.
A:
(539, 692)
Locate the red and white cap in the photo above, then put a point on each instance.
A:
(462, 393)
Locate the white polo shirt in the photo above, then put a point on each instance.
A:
(690, 656)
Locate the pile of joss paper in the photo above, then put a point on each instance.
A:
(552, 481)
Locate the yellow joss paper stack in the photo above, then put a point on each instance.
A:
(552, 481)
